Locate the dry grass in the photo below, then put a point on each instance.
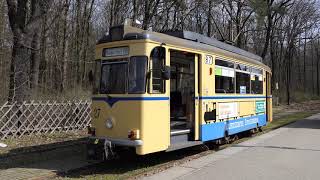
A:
(24, 142)
(306, 106)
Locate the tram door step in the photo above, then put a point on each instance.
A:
(179, 135)
(180, 139)
(182, 145)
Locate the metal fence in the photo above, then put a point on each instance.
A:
(28, 118)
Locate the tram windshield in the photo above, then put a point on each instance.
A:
(124, 76)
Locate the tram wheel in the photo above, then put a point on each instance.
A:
(235, 137)
(227, 139)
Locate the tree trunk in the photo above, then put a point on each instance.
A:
(273, 63)
(111, 14)
(289, 65)
(268, 30)
(78, 40)
(134, 4)
(318, 56)
(299, 80)
(19, 81)
(3, 65)
(209, 19)
(12, 76)
(64, 47)
(87, 41)
(146, 15)
(43, 55)
(35, 61)
(24, 23)
(239, 24)
(304, 63)
(174, 24)
(312, 66)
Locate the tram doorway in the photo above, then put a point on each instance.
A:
(183, 86)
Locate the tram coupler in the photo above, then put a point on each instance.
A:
(100, 149)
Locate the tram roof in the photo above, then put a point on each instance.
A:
(184, 39)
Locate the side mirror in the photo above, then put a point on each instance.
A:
(166, 73)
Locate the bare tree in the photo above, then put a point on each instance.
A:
(54, 40)
(25, 30)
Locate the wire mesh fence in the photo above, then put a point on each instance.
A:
(37, 117)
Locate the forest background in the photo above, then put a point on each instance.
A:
(47, 46)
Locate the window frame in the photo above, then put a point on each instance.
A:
(97, 76)
(228, 61)
(145, 74)
(225, 67)
(123, 61)
(257, 74)
(251, 70)
(151, 84)
(127, 61)
(244, 72)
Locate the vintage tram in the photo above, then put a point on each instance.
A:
(166, 91)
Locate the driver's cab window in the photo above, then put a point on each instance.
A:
(157, 57)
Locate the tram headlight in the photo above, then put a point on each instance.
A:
(109, 123)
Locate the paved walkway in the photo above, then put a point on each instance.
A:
(291, 152)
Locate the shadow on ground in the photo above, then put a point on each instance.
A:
(68, 159)
(129, 161)
(309, 123)
(279, 147)
(23, 156)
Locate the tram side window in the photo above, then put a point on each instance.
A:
(224, 77)
(243, 83)
(256, 81)
(224, 63)
(158, 62)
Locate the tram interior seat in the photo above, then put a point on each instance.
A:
(177, 108)
(178, 111)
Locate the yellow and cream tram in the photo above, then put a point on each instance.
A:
(166, 91)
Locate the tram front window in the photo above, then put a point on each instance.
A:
(121, 77)
(137, 75)
(113, 78)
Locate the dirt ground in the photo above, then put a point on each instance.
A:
(308, 106)
(42, 139)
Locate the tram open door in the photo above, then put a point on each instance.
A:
(184, 105)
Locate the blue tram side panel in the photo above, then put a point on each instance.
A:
(217, 130)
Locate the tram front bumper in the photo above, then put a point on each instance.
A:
(100, 147)
(117, 142)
